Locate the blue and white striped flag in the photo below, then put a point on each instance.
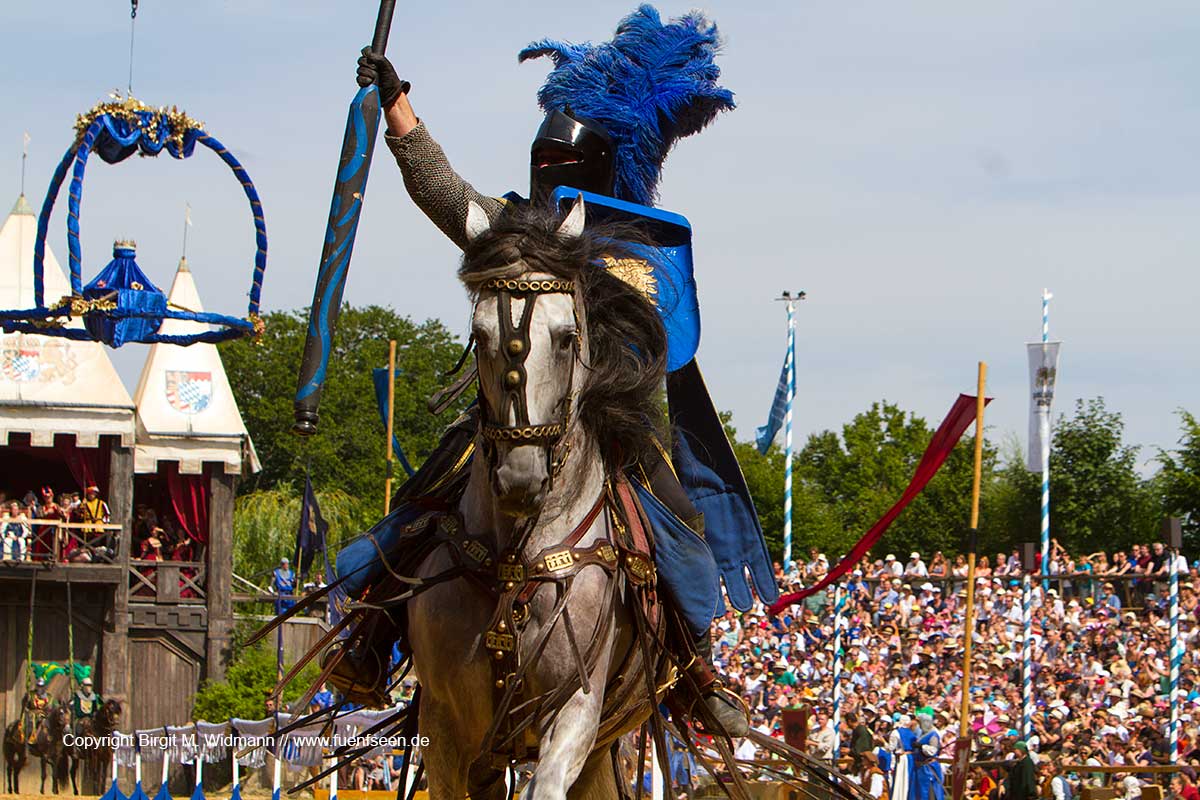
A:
(766, 434)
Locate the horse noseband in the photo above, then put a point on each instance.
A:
(514, 349)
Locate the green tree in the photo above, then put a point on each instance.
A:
(1179, 480)
(1012, 500)
(348, 450)
(814, 522)
(250, 677)
(1097, 499)
(265, 521)
(864, 471)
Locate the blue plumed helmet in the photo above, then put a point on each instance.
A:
(652, 85)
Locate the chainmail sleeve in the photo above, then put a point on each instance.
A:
(434, 185)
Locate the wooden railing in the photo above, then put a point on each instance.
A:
(167, 581)
(53, 540)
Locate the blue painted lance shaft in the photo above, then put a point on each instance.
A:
(358, 145)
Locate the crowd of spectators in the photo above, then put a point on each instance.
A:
(32, 529)
(1099, 660)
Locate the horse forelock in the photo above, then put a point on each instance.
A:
(618, 404)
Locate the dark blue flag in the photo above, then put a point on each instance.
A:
(766, 434)
(381, 400)
(311, 535)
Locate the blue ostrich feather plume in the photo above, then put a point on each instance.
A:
(652, 85)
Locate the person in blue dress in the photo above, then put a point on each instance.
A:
(927, 782)
(283, 582)
(902, 742)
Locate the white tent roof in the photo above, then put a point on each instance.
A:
(50, 385)
(186, 411)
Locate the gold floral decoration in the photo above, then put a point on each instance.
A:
(129, 109)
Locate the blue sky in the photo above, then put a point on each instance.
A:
(921, 169)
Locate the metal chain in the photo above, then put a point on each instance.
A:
(133, 9)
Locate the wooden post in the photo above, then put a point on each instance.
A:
(962, 751)
(391, 415)
(219, 574)
(114, 678)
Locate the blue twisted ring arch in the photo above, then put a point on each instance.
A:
(116, 131)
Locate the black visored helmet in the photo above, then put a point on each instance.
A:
(569, 151)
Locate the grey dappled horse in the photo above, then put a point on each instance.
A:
(569, 361)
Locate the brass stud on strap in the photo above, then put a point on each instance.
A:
(512, 379)
(498, 654)
(516, 347)
(500, 683)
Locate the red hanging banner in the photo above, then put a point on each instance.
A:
(961, 415)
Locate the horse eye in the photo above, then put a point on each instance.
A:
(566, 340)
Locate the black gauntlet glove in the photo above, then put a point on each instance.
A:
(379, 71)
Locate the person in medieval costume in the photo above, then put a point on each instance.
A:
(85, 702)
(96, 540)
(927, 780)
(283, 582)
(901, 743)
(612, 113)
(37, 703)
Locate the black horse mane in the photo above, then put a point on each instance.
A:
(619, 403)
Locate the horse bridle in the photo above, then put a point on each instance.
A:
(514, 347)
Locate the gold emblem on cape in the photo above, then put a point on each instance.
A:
(636, 272)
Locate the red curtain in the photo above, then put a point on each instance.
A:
(961, 415)
(190, 496)
(89, 465)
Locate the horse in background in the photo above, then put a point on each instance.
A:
(49, 746)
(96, 760)
(14, 757)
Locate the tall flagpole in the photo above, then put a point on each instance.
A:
(839, 621)
(787, 436)
(790, 365)
(1026, 655)
(24, 158)
(962, 747)
(1044, 427)
(187, 223)
(1175, 654)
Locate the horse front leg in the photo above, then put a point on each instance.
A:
(566, 744)
(446, 764)
(74, 769)
(42, 790)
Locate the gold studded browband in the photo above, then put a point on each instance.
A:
(523, 286)
(528, 433)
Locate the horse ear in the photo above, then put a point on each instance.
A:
(572, 226)
(477, 221)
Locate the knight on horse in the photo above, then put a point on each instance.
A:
(613, 112)
(37, 703)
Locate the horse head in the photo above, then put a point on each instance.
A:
(526, 328)
(558, 341)
(58, 720)
(108, 716)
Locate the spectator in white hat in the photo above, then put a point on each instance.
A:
(916, 567)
